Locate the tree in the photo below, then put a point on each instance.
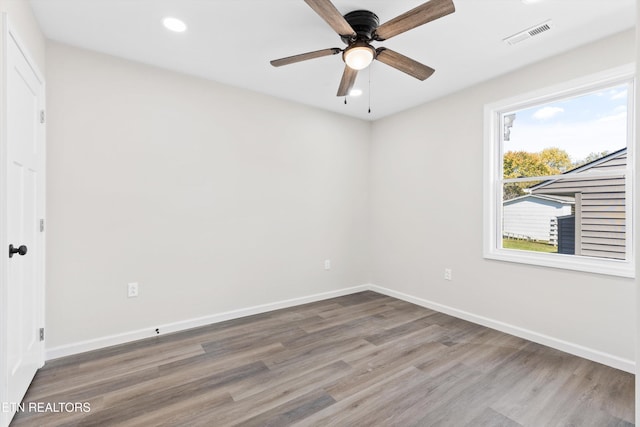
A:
(590, 158)
(558, 160)
(522, 164)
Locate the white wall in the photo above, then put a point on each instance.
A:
(636, 239)
(211, 197)
(426, 204)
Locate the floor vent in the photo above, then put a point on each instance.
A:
(528, 33)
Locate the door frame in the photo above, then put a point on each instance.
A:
(7, 32)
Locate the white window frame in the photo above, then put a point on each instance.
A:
(493, 174)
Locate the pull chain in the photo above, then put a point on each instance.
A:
(370, 67)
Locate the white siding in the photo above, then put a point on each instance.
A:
(531, 217)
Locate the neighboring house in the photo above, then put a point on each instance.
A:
(531, 216)
(599, 223)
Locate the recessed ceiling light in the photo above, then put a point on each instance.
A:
(174, 24)
(355, 92)
(530, 1)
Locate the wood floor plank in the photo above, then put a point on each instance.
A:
(341, 316)
(360, 360)
(280, 383)
(85, 374)
(267, 399)
(315, 354)
(200, 410)
(397, 332)
(355, 328)
(536, 381)
(295, 409)
(462, 394)
(381, 364)
(491, 418)
(147, 402)
(364, 407)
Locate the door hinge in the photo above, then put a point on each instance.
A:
(41, 334)
(42, 116)
(41, 225)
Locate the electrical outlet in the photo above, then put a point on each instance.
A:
(447, 274)
(132, 290)
(327, 264)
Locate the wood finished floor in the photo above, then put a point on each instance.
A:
(359, 360)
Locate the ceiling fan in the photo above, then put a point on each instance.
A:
(359, 28)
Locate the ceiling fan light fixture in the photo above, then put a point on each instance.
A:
(359, 28)
(359, 56)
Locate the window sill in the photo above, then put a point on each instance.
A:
(565, 262)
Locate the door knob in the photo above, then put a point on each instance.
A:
(22, 250)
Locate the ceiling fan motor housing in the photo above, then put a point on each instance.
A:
(364, 23)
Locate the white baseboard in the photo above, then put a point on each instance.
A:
(125, 337)
(568, 347)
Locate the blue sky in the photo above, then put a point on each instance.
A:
(589, 123)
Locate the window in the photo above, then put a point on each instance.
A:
(559, 175)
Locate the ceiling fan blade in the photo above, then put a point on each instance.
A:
(420, 15)
(332, 16)
(404, 63)
(304, 56)
(347, 82)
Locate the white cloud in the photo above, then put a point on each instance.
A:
(619, 114)
(613, 94)
(618, 94)
(547, 113)
(578, 139)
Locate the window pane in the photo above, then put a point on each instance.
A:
(584, 140)
(555, 137)
(573, 216)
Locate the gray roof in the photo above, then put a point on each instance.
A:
(566, 200)
(582, 168)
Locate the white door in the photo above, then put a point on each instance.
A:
(24, 162)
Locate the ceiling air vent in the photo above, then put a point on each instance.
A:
(528, 33)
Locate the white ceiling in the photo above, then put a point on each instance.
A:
(232, 41)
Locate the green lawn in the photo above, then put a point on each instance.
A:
(525, 245)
